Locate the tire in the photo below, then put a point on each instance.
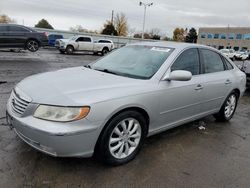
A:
(32, 45)
(70, 50)
(105, 51)
(228, 108)
(117, 143)
(61, 51)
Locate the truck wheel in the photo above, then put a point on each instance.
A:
(105, 51)
(61, 51)
(32, 45)
(69, 50)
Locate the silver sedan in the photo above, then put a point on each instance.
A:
(109, 107)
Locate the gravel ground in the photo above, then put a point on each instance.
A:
(218, 156)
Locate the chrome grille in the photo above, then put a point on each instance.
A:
(18, 104)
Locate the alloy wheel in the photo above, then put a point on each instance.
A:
(125, 138)
(230, 106)
(32, 45)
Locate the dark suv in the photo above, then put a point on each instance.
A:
(18, 36)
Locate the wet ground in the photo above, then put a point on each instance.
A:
(218, 156)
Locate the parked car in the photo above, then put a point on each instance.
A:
(52, 39)
(109, 107)
(241, 55)
(18, 36)
(82, 43)
(245, 67)
(230, 53)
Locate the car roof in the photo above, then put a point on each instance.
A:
(175, 45)
(11, 24)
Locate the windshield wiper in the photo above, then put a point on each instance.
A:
(88, 66)
(107, 71)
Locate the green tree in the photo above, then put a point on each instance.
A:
(178, 35)
(44, 24)
(191, 36)
(6, 19)
(109, 29)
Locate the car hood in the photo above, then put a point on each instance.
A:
(78, 86)
(63, 40)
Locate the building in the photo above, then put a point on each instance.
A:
(237, 38)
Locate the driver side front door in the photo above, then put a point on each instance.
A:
(180, 101)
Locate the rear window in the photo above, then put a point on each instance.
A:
(104, 41)
(212, 61)
(18, 29)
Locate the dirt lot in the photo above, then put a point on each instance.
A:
(218, 156)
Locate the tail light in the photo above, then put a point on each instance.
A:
(46, 34)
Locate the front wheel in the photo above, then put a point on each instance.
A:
(69, 50)
(32, 45)
(122, 139)
(105, 51)
(228, 108)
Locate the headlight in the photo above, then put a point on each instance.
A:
(61, 114)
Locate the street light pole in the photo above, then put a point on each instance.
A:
(144, 17)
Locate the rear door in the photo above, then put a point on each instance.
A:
(17, 36)
(216, 80)
(3, 37)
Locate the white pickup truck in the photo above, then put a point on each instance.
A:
(84, 43)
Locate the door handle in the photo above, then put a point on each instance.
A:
(228, 82)
(199, 87)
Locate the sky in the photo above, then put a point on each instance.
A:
(165, 15)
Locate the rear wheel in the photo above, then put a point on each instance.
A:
(105, 51)
(32, 45)
(122, 139)
(228, 108)
(69, 50)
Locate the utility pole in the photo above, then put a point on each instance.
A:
(144, 17)
(112, 17)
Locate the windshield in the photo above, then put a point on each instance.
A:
(225, 51)
(135, 61)
(73, 38)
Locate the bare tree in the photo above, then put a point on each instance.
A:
(6, 19)
(121, 25)
(79, 28)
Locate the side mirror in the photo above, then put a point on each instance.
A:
(179, 75)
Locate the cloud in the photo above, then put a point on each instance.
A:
(165, 15)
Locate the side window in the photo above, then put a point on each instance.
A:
(212, 61)
(229, 65)
(18, 29)
(86, 39)
(188, 60)
(80, 39)
(3, 28)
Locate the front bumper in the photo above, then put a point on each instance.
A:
(74, 139)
